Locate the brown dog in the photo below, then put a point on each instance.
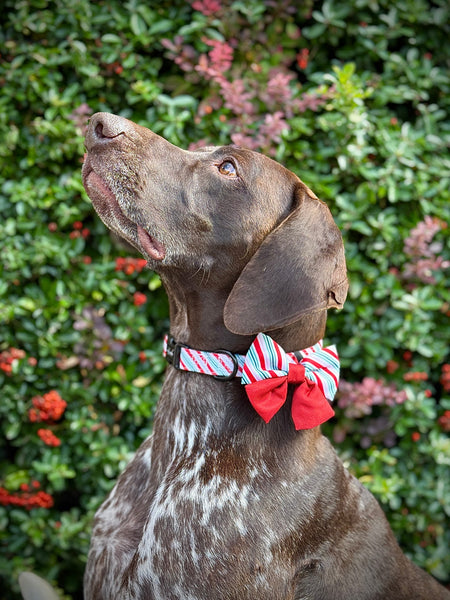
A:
(217, 504)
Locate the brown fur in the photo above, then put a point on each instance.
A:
(216, 504)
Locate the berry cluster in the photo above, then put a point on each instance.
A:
(139, 298)
(415, 376)
(48, 437)
(445, 377)
(79, 231)
(26, 498)
(444, 421)
(7, 357)
(49, 407)
(129, 265)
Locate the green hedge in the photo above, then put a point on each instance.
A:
(350, 95)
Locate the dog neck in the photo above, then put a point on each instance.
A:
(196, 319)
(223, 408)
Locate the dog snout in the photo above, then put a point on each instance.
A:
(104, 127)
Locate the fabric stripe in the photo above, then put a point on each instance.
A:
(221, 362)
(312, 365)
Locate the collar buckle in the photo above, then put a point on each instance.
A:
(173, 350)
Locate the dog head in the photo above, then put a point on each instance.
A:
(225, 217)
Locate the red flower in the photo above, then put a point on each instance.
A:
(139, 299)
(415, 436)
(78, 225)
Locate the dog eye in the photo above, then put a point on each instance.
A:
(227, 168)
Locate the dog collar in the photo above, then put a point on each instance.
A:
(266, 370)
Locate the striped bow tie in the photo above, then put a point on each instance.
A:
(266, 370)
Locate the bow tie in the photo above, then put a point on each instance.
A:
(268, 371)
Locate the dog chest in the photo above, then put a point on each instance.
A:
(215, 523)
(208, 534)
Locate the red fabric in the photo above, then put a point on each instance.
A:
(310, 408)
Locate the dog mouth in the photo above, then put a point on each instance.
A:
(150, 246)
(109, 210)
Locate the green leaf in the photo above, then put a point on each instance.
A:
(138, 25)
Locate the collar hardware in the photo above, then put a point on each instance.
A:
(173, 351)
(235, 362)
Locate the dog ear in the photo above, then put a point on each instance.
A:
(298, 269)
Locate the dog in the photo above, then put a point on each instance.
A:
(236, 495)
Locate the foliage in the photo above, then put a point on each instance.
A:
(352, 97)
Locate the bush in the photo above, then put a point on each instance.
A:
(349, 95)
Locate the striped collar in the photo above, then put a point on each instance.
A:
(321, 363)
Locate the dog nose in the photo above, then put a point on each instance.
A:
(104, 127)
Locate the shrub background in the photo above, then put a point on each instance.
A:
(350, 95)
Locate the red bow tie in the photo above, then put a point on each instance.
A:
(268, 370)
